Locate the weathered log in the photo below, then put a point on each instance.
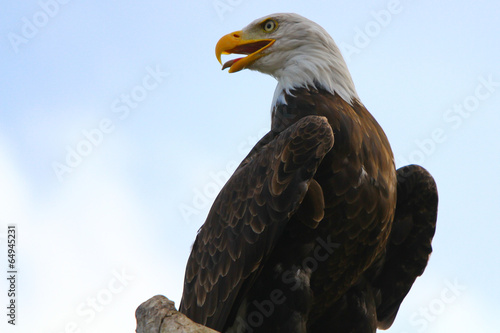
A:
(159, 315)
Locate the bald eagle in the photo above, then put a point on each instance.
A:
(316, 231)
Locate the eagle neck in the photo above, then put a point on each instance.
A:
(320, 70)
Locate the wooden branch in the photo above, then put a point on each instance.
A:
(159, 315)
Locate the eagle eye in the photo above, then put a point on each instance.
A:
(269, 25)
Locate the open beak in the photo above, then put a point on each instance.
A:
(236, 43)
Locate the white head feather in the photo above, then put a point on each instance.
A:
(303, 55)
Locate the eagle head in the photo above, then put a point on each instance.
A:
(296, 51)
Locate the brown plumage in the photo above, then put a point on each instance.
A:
(315, 231)
(248, 217)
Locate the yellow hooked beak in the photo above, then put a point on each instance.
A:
(236, 43)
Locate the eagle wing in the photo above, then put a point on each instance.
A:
(409, 244)
(248, 217)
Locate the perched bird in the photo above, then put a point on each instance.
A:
(315, 231)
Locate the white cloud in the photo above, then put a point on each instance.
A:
(73, 242)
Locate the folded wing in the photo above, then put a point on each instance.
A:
(409, 245)
(248, 217)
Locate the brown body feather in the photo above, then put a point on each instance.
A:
(297, 189)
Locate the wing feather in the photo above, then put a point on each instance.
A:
(409, 245)
(247, 218)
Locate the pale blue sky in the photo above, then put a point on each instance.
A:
(113, 226)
